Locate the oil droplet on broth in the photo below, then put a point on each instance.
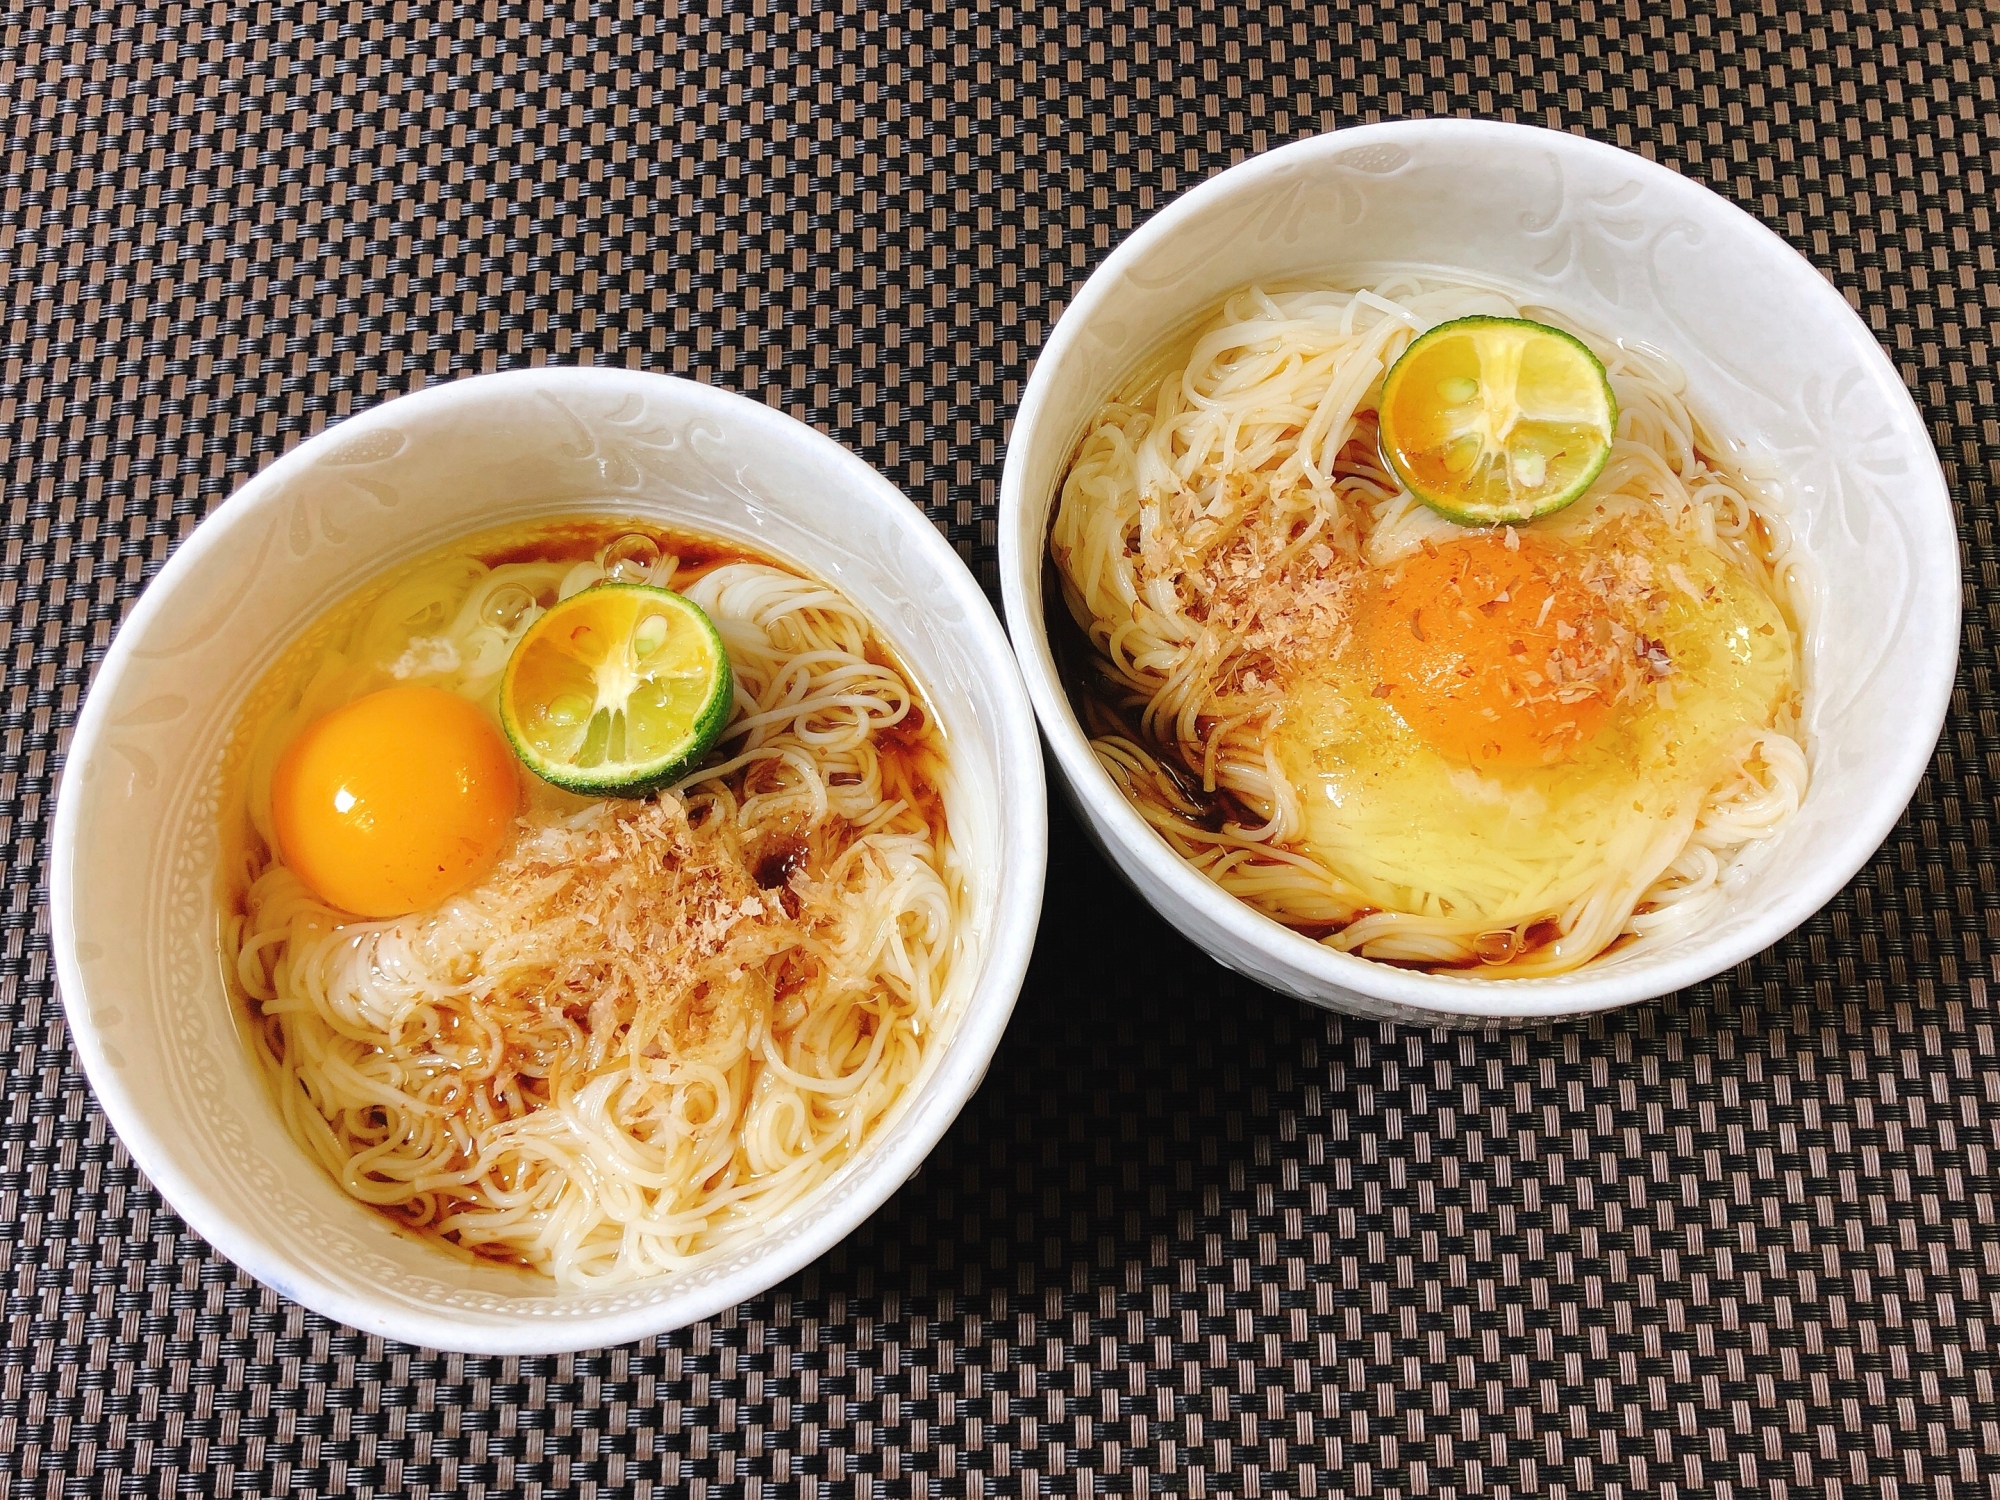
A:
(506, 606)
(631, 558)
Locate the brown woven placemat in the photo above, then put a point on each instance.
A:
(1189, 1237)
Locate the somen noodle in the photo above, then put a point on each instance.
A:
(656, 1023)
(1214, 537)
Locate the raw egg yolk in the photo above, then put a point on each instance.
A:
(1475, 644)
(392, 802)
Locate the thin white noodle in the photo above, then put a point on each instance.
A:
(382, 1038)
(1243, 429)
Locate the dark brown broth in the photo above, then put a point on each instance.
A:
(1101, 704)
(578, 538)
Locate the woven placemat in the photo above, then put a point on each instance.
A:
(1189, 1237)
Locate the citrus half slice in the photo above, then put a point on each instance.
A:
(1497, 420)
(617, 691)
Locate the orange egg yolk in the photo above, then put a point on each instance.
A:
(392, 802)
(1475, 644)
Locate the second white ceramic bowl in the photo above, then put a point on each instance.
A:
(1775, 360)
(133, 889)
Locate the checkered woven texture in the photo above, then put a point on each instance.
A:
(1190, 1237)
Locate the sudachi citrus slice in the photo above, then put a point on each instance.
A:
(617, 691)
(1497, 420)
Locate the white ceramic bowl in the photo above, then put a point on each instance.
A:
(1775, 359)
(133, 888)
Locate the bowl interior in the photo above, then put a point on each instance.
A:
(135, 887)
(1775, 362)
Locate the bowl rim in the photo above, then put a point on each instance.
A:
(1445, 998)
(1022, 863)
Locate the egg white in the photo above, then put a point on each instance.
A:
(1417, 831)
